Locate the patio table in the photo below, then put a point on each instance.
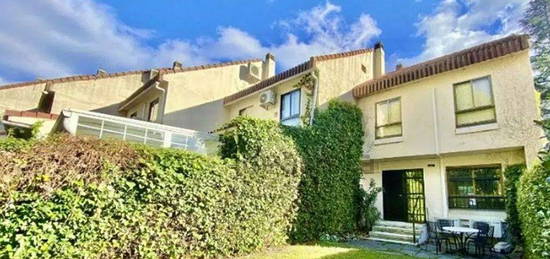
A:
(461, 235)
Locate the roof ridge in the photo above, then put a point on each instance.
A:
(341, 54)
(458, 59)
(131, 72)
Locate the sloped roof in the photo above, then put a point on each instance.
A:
(109, 75)
(467, 57)
(306, 66)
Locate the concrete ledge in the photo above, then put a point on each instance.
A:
(478, 128)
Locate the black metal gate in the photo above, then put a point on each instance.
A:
(414, 184)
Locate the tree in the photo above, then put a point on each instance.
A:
(537, 23)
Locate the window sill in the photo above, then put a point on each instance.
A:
(477, 128)
(384, 141)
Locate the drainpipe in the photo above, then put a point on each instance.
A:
(315, 95)
(438, 154)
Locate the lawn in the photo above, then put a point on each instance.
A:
(323, 250)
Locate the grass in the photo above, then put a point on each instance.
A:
(323, 250)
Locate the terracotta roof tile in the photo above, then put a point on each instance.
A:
(477, 54)
(110, 75)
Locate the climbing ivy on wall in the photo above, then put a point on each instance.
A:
(329, 194)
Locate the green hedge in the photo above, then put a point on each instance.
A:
(534, 210)
(512, 175)
(145, 202)
(330, 194)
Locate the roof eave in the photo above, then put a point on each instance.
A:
(269, 87)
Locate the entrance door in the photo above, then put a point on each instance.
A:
(404, 195)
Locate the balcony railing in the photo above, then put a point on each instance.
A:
(103, 126)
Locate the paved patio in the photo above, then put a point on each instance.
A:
(422, 251)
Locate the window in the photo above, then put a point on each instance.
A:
(388, 118)
(290, 108)
(475, 187)
(474, 104)
(153, 110)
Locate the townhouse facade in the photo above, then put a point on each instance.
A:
(437, 134)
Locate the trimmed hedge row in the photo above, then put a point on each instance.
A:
(512, 175)
(151, 202)
(534, 210)
(330, 194)
(80, 197)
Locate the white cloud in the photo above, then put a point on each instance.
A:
(61, 37)
(326, 33)
(64, 37)
(450, 28)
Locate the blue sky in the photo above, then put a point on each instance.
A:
(52, 38)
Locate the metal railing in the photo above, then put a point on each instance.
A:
(416, 206)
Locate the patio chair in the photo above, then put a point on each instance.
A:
(480, 240)
(434, 235)
(445, 223)
(441, 223)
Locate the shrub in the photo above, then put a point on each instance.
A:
(73, 197)
(331, 149)
(512, 175)
(534, 210)
(368, 212)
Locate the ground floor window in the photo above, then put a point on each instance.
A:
(477, 187)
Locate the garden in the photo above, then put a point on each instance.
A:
(67, 196)
(272, 192)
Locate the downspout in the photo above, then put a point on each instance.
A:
(438, 154)
(315, 95)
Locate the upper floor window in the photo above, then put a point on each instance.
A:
(474, 103)
(475, 187)
(388, 118)
(153, 110)
(290, 108)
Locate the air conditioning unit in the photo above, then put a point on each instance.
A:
(254, 72)
(267, 98)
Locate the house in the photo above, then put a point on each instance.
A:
(170, 92)
(438, 134)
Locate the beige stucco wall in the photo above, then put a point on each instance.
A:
(338, 76)
(252, 102)
(429, 120)
(195, 97)
(102, 95)
(336, 79)
(435, 182)
(20, 98)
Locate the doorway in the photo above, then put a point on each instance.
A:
(404, 195)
